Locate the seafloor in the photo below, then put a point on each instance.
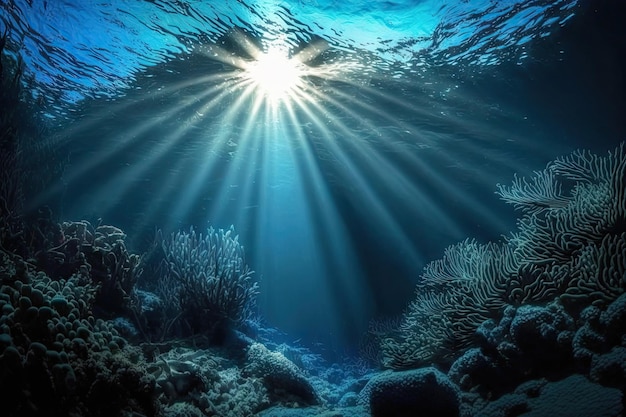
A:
(67, 350)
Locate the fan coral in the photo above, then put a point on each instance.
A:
(570, 245)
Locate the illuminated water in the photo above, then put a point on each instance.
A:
(389, 150)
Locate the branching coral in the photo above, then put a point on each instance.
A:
(570, 244)
(541, 192)
(456, 294)
(599, 272)
(206, 281)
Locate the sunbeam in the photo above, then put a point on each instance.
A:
(294, 144)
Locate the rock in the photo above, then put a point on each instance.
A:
(419, 392)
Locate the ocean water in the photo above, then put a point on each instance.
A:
(347, 143)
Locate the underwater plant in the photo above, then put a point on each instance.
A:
(206, 283)
(570, 246)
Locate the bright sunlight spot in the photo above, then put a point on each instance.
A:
(275, 74)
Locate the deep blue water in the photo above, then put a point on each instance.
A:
(390, 150)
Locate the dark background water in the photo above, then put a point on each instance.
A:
(476, 127)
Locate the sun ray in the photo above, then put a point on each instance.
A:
(402, 185)
(355, 177)
(117, 146)
(280, 141)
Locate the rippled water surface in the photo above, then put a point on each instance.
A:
(81, 49)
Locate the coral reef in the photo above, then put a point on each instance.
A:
(57, 359)
(529, 341)
(533, 325)
(58, 356)
(208, 383)
(570, 245)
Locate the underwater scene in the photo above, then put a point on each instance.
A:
(313, 208)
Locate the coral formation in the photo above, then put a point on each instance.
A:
(210, 384)
(57, 359)
(206, 283)
(572, 396)
(570, 245)
(529, 341)
(283, 379)
(575, 395)
(530, 326)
